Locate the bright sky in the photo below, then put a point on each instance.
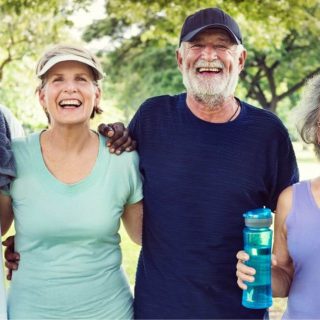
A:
(83, 18)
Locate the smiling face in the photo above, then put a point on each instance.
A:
(210, 65)
(69, 93)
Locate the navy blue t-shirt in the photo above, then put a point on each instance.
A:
(199, 178)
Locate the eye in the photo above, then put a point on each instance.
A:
(196, 45)
(57, 79)
(221, 47)
(81, 78)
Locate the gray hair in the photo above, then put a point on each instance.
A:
(308, 113)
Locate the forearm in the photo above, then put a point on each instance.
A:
(281, 282)
(132, 220)
(5, 226)
(6, 213)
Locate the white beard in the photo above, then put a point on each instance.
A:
(210, 92)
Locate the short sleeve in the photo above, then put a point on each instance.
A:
(135, 180)
(286, 170)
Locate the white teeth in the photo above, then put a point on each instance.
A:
(209, 69)
(70, 102)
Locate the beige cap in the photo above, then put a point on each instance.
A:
(69, 57)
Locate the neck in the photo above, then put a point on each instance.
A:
(225, 111)
(67, 138)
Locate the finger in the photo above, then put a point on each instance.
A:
(127, 143)
(9, 275)
(12, 265)
(241, 267)
(132, 147)
(124, 146)
(274, 260)
(242, 285)
(244, 277)
(9, 241)
(118, 131)
(117, 145)
(106, 130)
(11, 256)
(242, 255)
(119, 138)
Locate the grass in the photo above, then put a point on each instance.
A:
(130, 251)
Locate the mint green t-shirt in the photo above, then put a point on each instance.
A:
(67, 237)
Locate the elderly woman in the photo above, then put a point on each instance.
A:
(295, 270)
(67, 201)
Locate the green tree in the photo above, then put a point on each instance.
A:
(27, 27)
(281, 38)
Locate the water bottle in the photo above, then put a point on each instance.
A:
(257, 244)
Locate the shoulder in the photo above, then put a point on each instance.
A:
(285, 201)
(127, 157)
(266, 119)
(262, 114)
(160, 102)
(124, 158)
(25, 144)
(31, 139)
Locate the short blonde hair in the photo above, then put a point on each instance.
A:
(308, 113)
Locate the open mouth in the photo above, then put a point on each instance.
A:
(70, 103)
(208, 70)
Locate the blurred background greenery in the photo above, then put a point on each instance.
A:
(136, 43)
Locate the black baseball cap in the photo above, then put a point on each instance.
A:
(210, 18)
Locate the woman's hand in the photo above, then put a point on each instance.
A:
(244, 273)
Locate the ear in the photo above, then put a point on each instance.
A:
(179, 58)
(42, 98)
(318, 133)
(242, 59)
(97, 96)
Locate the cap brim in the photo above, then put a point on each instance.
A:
(69, 57)
(192, 34)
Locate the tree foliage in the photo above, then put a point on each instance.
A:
(281, 38)
(27, 28)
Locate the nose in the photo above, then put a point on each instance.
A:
(70, 86)
(209, 53)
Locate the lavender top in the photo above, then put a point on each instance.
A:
(303, 225)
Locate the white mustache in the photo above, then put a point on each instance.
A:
(212, 64)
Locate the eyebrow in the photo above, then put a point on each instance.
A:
(77, 74)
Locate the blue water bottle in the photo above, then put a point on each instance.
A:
(257, 244)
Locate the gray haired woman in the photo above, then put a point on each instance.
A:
(67, 202)
(295, 270)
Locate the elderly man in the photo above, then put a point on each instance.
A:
(206, 158)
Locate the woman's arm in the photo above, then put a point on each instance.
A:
(6, 213)
(132, 220)
(282, 269)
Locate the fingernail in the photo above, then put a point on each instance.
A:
(108, 144)
(112, 150)
(118, 152)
